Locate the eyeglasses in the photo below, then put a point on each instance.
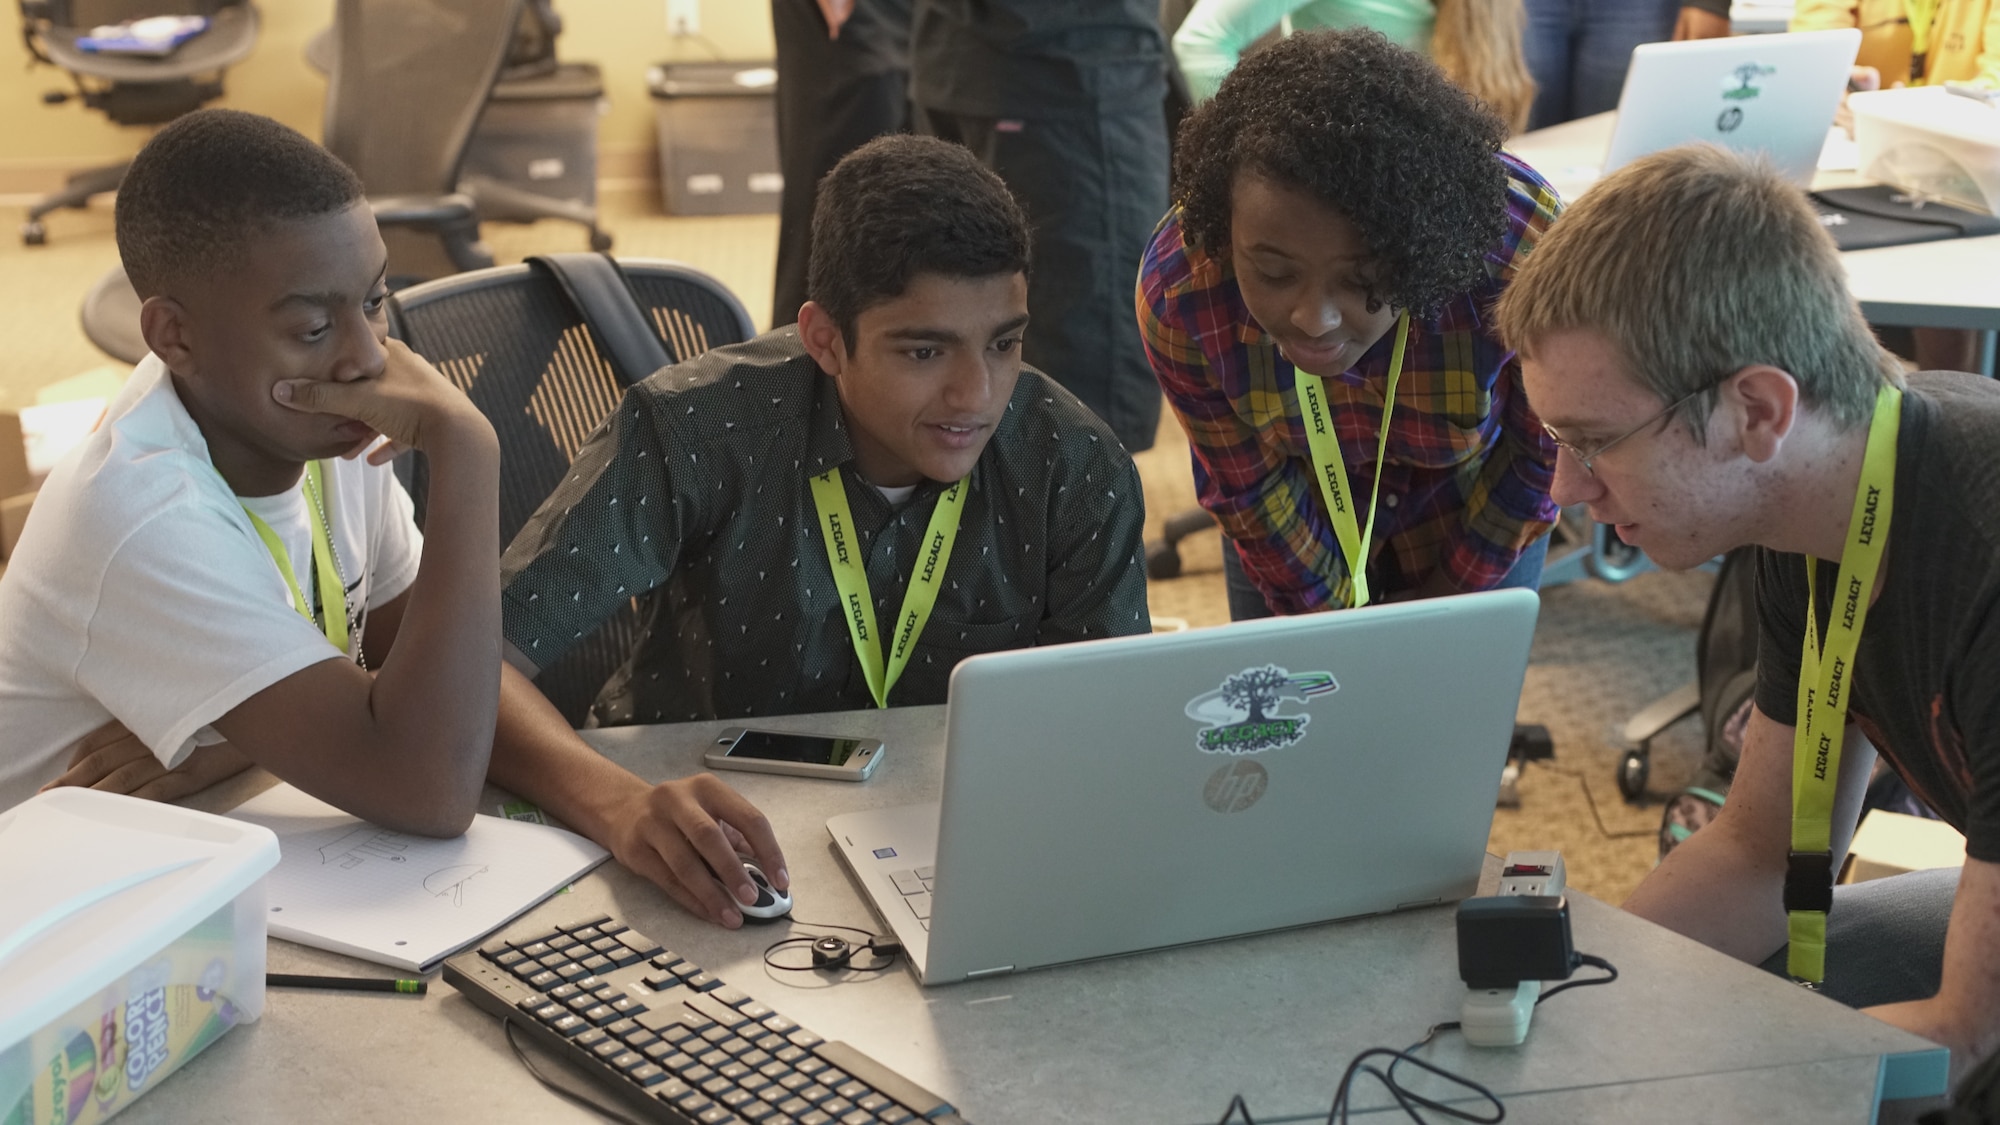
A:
(1584, 459)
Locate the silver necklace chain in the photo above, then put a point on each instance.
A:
(319, 508)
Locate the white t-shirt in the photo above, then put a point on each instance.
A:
(141, 591)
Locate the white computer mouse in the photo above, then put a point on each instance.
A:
(771, 902)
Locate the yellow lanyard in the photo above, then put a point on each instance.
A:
(333, 610)
(1826, 680)
(1332, 469)
(1920, 14)
(850, 577)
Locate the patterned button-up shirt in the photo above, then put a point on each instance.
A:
(1466, 484)
(695, 498)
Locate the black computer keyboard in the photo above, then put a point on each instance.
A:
(673, 1042)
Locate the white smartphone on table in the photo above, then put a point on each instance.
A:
(802, 755)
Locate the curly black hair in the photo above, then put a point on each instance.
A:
(209, 184)
(904, 205)
(1375, 132)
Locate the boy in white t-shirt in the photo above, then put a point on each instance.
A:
(216, 577)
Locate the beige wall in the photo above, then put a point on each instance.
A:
(38, 144)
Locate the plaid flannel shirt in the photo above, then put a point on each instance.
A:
(1466, 484)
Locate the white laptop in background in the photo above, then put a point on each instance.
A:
(1121, 795)
(1771, 93)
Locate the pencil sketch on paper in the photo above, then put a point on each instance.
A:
(449, 882)
(367, 842)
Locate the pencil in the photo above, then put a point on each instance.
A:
(351, 984)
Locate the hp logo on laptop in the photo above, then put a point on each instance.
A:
(1236, 786)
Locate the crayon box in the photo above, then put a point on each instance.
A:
(131, 937)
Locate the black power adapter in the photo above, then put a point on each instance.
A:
(1506, 939)
(1508, 945)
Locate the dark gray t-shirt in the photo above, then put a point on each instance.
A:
(1927, 676)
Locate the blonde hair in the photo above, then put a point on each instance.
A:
(1694, 263)
(1478, 44)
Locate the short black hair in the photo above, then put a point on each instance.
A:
(210, 182)
(1373, 131)
(900, 206)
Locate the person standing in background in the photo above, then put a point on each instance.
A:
(843, 80)
(1065, 100)
(1579, 50)
(1477, 43)
(1916, 42)
(1702, 19)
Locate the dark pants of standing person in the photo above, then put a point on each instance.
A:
(834, 95)
(1578, 52)
(1093, 188)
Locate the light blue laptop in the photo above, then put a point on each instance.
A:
(1131, 794)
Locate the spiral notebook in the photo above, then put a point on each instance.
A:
(409, 901)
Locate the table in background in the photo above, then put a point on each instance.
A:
(1954, 283)
(1163, 1038)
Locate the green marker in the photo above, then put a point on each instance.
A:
(348, 984)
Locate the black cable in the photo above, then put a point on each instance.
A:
(885, 950)
(591, 1104)
(1594, 814)
(1610, 974)
(1409, 1100)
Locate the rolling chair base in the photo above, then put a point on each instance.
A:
(77, 192)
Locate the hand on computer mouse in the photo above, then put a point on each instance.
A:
(680, 833)
(771, 903)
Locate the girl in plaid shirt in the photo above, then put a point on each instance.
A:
(1335, 184)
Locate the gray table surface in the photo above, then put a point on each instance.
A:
(1167, 1037)
(1951, 284)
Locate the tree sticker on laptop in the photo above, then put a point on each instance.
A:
(1242, 715)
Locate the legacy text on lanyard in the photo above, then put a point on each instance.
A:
(850, 577)
(1825, 683)
(1331, 469)
(332, 591)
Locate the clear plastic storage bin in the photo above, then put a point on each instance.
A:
(1930, 140)
(132, 938)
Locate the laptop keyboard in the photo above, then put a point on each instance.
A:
(914, 884)
(673, 1041)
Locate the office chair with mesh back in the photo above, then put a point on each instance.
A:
(406, 90)
(128, 89)
(516, 340)
(529, 73)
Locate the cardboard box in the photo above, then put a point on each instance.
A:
(14, 476)
(134, 938)
(1890, 843)
(13, 517)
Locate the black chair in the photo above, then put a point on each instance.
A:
(129, 89)
(517, 340)
(529, 74)
(407, 87)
